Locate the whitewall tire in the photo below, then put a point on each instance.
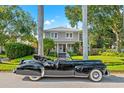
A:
(36, 78)
(95, 75)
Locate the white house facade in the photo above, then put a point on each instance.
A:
(64, 38)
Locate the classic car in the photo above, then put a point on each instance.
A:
(41, 67)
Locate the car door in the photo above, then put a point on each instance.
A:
(65, 68)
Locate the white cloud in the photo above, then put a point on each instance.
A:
(52, 20)
(48, 22)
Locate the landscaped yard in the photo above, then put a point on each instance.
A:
(114, 63)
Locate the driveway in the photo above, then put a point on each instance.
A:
(10, 80)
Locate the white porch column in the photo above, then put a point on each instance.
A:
(57, 48)
(66, 47)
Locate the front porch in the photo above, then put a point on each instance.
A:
(61, 48)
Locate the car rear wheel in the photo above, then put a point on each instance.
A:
(95, 75)
(36, 78)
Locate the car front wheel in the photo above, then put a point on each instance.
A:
(95, 75)
(36, 78)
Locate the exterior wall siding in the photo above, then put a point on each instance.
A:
(62, 36)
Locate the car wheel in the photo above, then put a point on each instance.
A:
(36, 78)
(95, 75)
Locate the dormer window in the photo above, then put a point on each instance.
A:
(54, 35)
(69, 35)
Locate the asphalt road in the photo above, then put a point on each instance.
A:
(10, 80)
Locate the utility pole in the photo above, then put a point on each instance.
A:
(85, 32)
(40, 29)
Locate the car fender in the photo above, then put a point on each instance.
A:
(32, 69)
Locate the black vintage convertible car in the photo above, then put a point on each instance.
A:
(41, 67)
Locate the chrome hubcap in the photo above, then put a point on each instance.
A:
(95, 75)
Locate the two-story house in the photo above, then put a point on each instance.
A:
(64, 38)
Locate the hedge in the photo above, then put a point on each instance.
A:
(17, 50)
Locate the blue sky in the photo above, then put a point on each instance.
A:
(54, 15)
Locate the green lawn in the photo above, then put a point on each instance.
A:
(9, 66)
(114, 63)
(111, 60)
(116, 68)
(2, 55)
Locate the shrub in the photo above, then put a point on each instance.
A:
(121, 54)
(48, 45)
(96, 51)
(76, 48)
(72, 53)
(53, 54)
(16, 50)
(109, 54)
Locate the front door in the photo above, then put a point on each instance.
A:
(62, 48)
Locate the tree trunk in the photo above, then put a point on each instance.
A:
(118, 45)
(40, 29)
(85, 32)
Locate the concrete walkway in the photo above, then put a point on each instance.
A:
(10, 80)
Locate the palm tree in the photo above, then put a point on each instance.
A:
(85, 32)
(40, 29)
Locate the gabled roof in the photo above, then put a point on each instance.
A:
(62, 29)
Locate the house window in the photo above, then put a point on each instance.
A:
(69, 35)
(54, 35)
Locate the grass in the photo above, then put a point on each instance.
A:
(10, 65)
(116, 68)
(115, 63)
(2, 56)
(112, 60)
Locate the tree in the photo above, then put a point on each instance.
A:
(40, 29)
(16, 23)
(104, 18)
(73, 15)
(76, 48)
(107, 18)
(48, 45)
(3, 39)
